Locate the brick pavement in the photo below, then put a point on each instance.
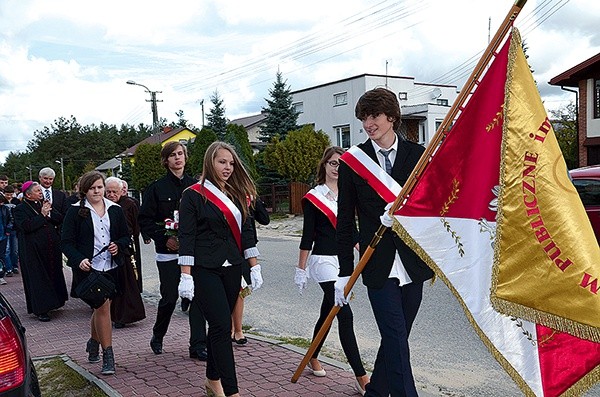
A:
(264, 366)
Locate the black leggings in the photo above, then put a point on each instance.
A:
(345, 327)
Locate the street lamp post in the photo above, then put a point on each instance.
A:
(153, 106)
(62, 172)
(30, 176)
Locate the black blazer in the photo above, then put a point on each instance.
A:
(205, 234)
(59, 206)
(355, 196)
(77, 239)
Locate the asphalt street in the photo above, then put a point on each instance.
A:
(448, 357)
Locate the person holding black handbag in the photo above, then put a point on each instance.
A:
(94, 239)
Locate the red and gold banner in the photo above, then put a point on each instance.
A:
(494, 210)
(547, 260)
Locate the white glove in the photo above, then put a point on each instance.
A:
(387, 220)
(300, 279)
(340, 284)
(256, 280)
(186, 286)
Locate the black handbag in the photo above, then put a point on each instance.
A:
(96, 288)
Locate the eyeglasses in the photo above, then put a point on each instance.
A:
(334, 163)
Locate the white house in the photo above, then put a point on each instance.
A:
(330, 107)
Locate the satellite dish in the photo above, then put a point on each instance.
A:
(436, 93)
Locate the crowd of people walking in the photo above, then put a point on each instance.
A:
(205, 239)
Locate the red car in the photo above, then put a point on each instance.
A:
(587, 183)
(17, 373)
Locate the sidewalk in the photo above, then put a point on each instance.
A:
(264, 366)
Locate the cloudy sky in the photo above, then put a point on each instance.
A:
(70, 57)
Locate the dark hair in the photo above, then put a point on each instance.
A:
(378, 101)
(327, 154)
(169, 148)
(3, 178)
(87, 180)
(9, 189)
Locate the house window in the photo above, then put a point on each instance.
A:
(342, 134)
(340, 99)
(403, 96)
(298, 107)
(597, 99)
(442, 102)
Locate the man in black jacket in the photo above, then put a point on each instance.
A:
(394, 275)
(160, 202)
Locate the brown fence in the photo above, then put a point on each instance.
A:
(283, 198)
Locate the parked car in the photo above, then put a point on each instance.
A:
(17, 373)
(587, 183)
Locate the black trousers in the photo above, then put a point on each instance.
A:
(168, 274)
(345, 329)
(395, 309)
(216, 291)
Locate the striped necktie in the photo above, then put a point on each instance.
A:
(48, 195)
(388, 163)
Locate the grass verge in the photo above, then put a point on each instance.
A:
(57, 379)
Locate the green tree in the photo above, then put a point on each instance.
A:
(147, 167)
(197, 149)
(281, 116)
(564, 122)
(297, 156)
(216, 117)
(238, 138)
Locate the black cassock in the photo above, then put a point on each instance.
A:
(40, 258)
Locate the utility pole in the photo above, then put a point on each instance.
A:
(153, 107)
(202, 105)
(62, 172)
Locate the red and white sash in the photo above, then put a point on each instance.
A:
(385, 186)
(326, 206)
(224, 203)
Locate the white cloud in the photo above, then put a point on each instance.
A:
(68, 57)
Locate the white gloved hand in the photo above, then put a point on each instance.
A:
(387, 220)
(300, 279)
(340, 284)
(186, 286)
(256, 280)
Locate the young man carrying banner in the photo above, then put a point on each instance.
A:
(369, 178)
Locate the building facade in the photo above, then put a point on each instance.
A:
(330, 107)
(585, 78)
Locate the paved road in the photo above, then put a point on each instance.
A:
(448, 358)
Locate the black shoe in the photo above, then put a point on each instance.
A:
(201, 355)
(93, 350)
(8, 274)
(185, 304)
(15, 271)
(108, 361)
(44, 317)
(119, 325)
(156, 345)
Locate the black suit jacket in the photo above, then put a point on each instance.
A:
(59, 206)
(355, 196)
(77, 239)
(205, 234)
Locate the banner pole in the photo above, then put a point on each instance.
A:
(412, 180)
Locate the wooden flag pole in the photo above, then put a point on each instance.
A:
(440, 134)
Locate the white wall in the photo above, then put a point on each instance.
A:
(319, 108)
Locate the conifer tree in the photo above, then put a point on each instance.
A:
(216, 117)
(281, 116)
